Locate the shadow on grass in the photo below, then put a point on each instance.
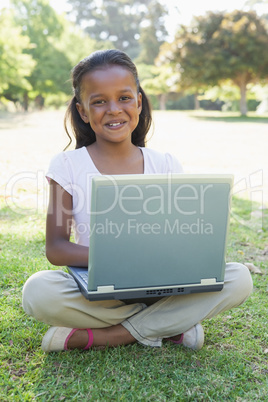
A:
(16, 214)
(22, 245)
(230, 119)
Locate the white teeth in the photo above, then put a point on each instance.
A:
(114, 124)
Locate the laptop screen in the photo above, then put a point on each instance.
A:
(156, 230)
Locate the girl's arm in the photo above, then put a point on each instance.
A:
(59, 249)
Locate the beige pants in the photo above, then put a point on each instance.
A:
(53, 297)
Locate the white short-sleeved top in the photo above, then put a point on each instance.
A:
(73, 170)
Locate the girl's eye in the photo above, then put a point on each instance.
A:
(99, 102)
(124, 98)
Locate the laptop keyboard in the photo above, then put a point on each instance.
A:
(151, 292)
(159, 292)
(84, 276)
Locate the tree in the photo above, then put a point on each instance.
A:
(219, 47)
(41, 24)
(119, 21)
(153, 35)
(15, 64)
(75, 43)
(38, 50)
(260, 6)
(188, 56)
(160, 84)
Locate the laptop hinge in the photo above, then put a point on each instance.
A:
(208, 281)
(105, 289)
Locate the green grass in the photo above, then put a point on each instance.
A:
(233, 364)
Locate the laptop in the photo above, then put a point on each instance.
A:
(156, 235)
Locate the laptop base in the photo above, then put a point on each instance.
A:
(138, 295)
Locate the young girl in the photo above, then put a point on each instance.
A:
(110, 117)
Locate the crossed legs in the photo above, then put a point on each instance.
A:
(54, 298)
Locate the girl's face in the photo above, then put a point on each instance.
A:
(110, 103)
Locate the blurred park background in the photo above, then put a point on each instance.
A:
(216, 61)
(204, 66)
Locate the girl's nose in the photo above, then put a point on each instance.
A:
(114, 108)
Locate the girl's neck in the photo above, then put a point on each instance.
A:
(113, 150)
(116, 158)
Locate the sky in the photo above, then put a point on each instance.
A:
(189, 8)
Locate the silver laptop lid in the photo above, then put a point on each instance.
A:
(158, 230)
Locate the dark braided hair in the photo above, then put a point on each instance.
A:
(83, 132)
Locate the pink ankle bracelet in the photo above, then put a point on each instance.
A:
(177, 342)
(90, 338)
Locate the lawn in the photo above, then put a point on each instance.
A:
(233, 364)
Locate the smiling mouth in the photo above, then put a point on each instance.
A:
(115, 125)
